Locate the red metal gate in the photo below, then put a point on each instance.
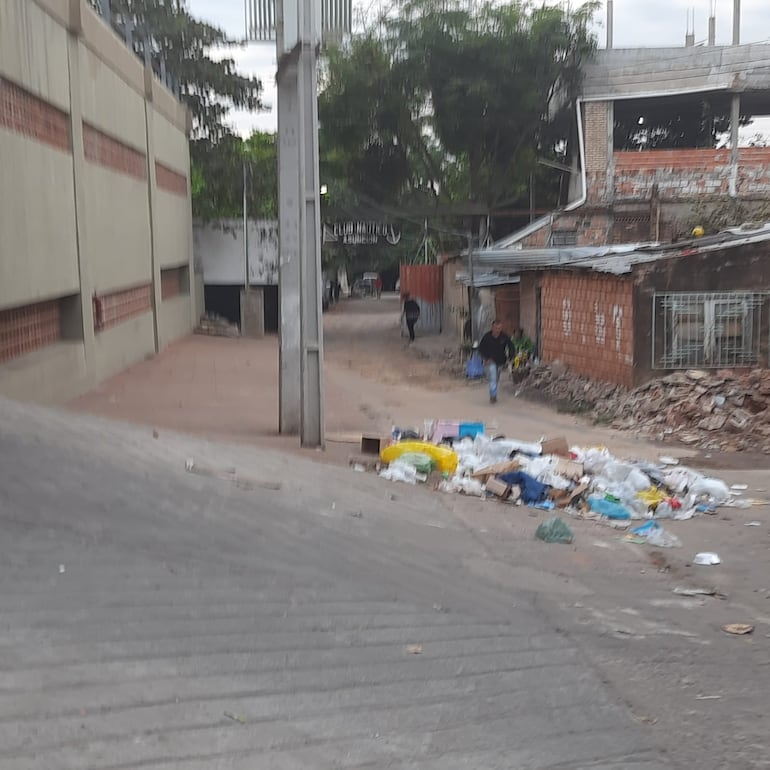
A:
(425, 285)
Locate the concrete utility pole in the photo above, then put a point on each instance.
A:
(736, 22)
(301, 357)
(610, 23)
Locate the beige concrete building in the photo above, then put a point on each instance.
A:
(95, 215)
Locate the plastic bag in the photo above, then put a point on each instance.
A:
(421, 462)
(660, 538)
(714, 489)
(608, 509)
(401, 471)
(554, 531)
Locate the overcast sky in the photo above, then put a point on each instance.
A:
(637, 23)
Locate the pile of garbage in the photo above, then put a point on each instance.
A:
(214, 325)
(722, 410)
(582, 482)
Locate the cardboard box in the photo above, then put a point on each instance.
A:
(373, 445)
(556, 446)
(498, 488)
(570, 469)
(497, 470)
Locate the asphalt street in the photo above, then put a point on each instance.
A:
(154, 618)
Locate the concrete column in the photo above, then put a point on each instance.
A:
(712, 31)
(610, 181)
(610, 23)
(81, 321)
(253, 312)
(289, 251)
(736, 22)
(311, 330)
(152, 197)
(735, 119)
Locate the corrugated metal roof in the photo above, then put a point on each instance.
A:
(486, 279)
(616, 260)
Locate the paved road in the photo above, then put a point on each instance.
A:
(152, 618)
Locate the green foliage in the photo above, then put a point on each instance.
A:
(217, 189)
(453, 101)
(209, 86)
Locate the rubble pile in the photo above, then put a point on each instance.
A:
(722, 410)
(214, 325)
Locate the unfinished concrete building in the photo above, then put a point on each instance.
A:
(658, 141)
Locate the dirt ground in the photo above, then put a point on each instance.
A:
(702, 691)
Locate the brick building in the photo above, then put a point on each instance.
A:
(623, 192)
(627, 314)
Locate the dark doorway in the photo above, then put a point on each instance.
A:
(226, 301)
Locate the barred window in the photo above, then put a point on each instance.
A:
(563, 238)
(711, 329)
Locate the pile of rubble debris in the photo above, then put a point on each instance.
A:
(214, 325)
(723, 410)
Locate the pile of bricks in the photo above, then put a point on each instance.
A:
(721, 410)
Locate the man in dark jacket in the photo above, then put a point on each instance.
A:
(411, 315)
(494, 351)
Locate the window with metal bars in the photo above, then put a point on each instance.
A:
(707, 329)
(563, 238)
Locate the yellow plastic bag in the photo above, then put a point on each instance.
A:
(446, 459)
(652, 496)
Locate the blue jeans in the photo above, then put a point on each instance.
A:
(493, 377)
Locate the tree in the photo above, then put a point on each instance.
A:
(450, 100)
(217, 189)
(164, 33)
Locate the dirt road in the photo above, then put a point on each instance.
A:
(699, 691)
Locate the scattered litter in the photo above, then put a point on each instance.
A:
(235, 717)
(358, 468)
(739, 487)
(738, 629)
(402, 471)
(668, 460)
(413, 649)
(660, 538)
(62, 569)
(708, 697)
(608, 508)
(684, 591)
(554, 531)
(189, 464)
(706, 559)
(753, 524)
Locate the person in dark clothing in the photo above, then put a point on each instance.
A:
(494, 352)
(411, 315)
(336, 291)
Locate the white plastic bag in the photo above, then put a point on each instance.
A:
(660, 538)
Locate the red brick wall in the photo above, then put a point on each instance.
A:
(170, 180)
(29, 115)
(116, 307)
(687, 174)
(104, 150)
(597, 149)
(592, 227)
(28, 328)
(587, 322)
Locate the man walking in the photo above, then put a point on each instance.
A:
(494, 352)
(411, 314)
